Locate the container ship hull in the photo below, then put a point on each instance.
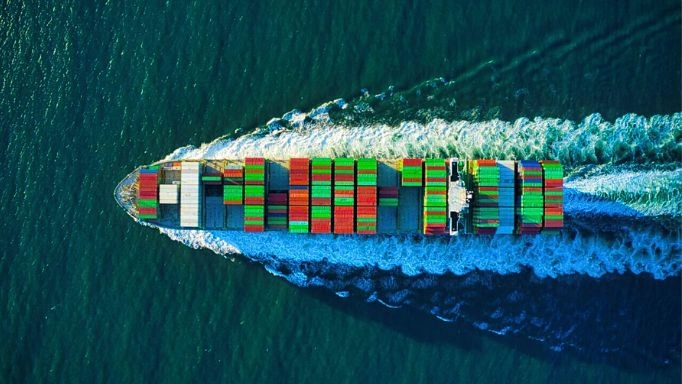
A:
(343, 196)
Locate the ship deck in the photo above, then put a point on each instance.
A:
(405, 218)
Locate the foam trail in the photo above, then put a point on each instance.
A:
(575, 251)
(592, 141)
(626, 193)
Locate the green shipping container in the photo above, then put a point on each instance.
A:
(321, 212)
(254, 190)
(147, 203)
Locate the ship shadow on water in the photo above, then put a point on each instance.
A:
(627, 321)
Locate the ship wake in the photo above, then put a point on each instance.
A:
(622, 204)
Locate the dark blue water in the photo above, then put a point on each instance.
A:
(91, 91)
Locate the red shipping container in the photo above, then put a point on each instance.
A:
(366, 196)
(299, 213)
(554, 210)
(486, 162)
(344, 177)
(367, 211)
(366, 190)
(343, 211)
(322, 177)
(343, 231)
(254, 228)
(412, 162)
(321, 226)
(366, 200)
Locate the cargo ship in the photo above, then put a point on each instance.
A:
(345, 196)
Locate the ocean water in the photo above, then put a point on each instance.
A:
(90, 91)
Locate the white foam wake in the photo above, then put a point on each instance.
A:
(592, 141)
(548, 256)
(626, 193)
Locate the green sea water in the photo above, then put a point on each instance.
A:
(90, 90)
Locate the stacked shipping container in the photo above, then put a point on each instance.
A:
(486, 213)
(344, 185)
(435, 197)
(529, 209)
(168, 194)
(321, 196)
(190, 194)
(277, 210)
(411, 172)
(254, 194)
(147, 193)
(507, 182)
(299, 195)
(366, 199)
(233, 184)
(554, 196)
(388, 196)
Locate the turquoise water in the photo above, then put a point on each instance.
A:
(91, 91)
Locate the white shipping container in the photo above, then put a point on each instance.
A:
(168, 194)
(190, 196)
(191, 165)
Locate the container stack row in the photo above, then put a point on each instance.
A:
(344, 197)
(388, 196)
(190, 194)
(277, 210)
(486, 212)
(411, 173)
(321, 196)
(168, 193)
(435, 197)
(147, 193)
(366, 215)
(299, 195)
(507, 170)
(233, 184)
(554, 196)
(254, 194)
(530, 203)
